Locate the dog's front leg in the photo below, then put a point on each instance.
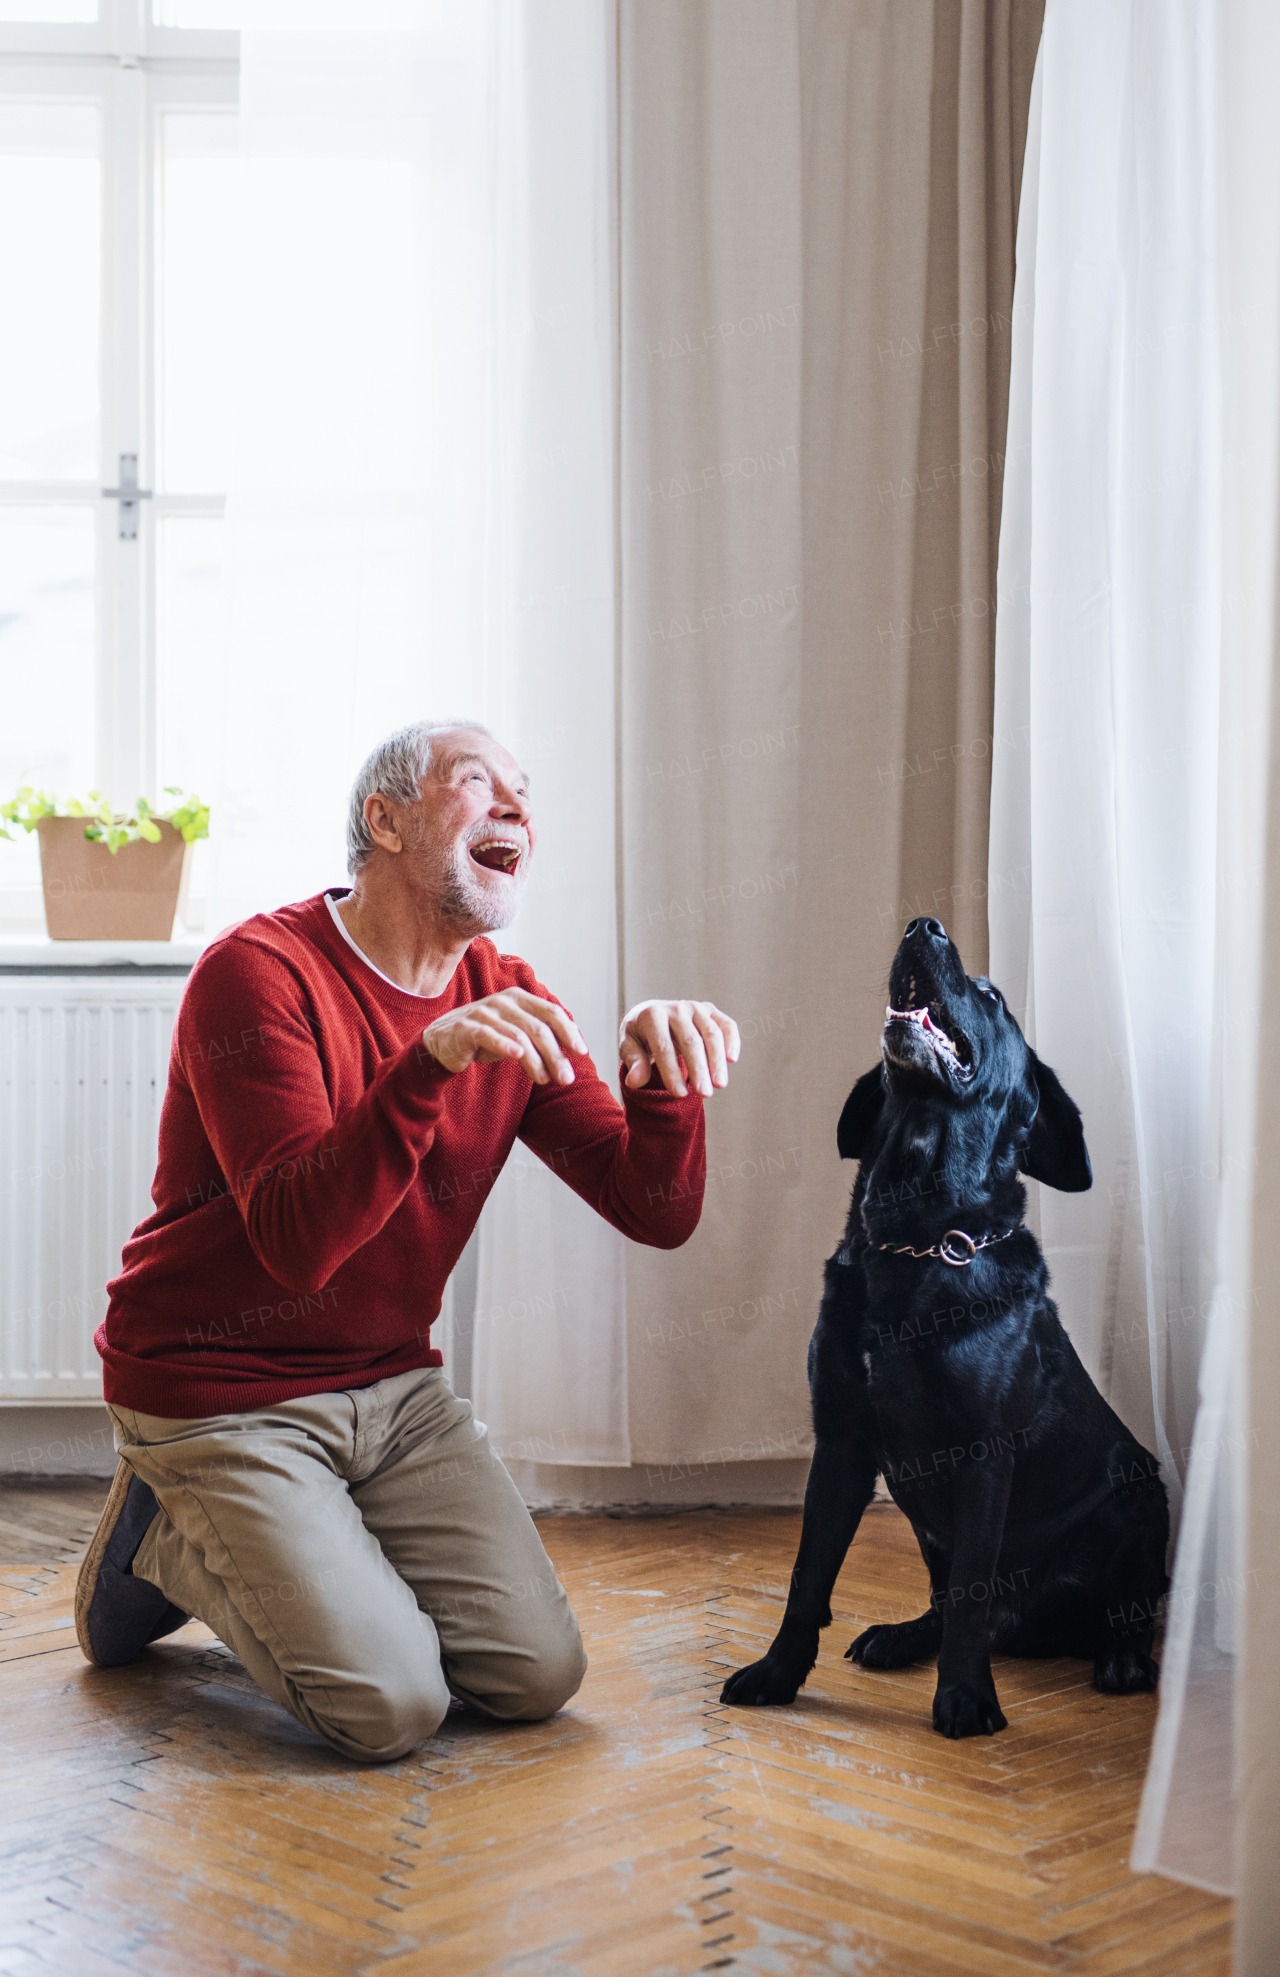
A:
(842, 1479)
(965, 1703)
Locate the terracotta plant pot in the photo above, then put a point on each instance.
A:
(91, 893)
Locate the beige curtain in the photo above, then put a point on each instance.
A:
(817, 214)
(1249, 56)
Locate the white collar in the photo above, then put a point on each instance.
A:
(340, 924)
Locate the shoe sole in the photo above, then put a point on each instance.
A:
(87, 1582)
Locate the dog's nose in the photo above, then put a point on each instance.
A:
(933, 928)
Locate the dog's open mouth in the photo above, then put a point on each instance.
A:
(927, 1025)
(497, 854)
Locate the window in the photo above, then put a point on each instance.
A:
(118, 163)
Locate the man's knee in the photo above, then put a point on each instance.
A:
(551, 1674)
(383, 1717)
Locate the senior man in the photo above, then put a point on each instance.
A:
(295, 1468)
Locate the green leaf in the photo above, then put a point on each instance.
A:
(191, 817)
(105, 825)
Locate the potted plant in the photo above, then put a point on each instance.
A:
(110, 874)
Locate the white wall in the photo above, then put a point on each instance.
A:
(56, 1441)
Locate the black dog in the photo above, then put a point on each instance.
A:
(939, 1361)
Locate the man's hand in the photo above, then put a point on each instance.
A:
(662, 1033)
(510, 1027)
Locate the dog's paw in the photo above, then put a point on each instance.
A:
(873, 1648)
(897, 1645)
(766, 1681)
(967, 1709)
(1124, 1672)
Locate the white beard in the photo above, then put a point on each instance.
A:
(474, 907)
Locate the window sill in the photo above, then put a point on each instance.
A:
(36, 954)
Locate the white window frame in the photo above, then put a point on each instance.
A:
(135, 72)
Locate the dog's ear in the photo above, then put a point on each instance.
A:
(861, 1112)
(1055, 1151)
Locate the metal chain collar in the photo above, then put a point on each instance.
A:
(949, 1247)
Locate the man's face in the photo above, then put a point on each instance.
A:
(472, 836)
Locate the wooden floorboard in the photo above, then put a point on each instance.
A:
(166, 1819)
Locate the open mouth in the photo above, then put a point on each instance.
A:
(497, 854)
(926, 1024)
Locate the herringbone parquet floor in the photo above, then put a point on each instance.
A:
(167, 1819)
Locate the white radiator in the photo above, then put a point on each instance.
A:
(83, 1063)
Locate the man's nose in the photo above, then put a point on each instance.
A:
(932, 929)
(512, 803)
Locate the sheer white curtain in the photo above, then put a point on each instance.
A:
(1139, 683)
(421, 523)
(549, 1353)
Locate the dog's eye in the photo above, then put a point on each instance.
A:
(985, 988)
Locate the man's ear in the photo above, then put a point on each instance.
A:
(1055, 1151)
(860, 1116)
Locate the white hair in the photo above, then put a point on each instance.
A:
(395, 768)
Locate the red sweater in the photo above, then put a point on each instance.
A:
(319, 1173)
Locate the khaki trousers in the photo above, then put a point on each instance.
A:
(366, 1556)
